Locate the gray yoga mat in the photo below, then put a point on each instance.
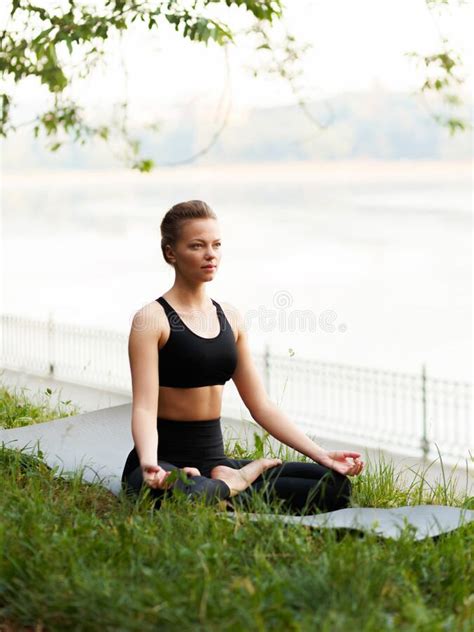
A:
(100, 440)
(427, 520)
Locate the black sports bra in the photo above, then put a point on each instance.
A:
(188, 360)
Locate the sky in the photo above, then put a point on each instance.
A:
(354, 46)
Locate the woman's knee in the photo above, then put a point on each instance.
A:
(342, 490)
(331, 492)
(133, 483)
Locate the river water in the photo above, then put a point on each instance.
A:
(366, 263)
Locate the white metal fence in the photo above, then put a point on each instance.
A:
(403, 412)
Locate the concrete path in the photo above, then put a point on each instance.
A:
(88, 399)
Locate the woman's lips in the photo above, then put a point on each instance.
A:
(209, 267)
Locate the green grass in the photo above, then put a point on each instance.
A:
(76, 557)
(18, 408)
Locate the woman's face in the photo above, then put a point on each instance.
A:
(198, 246)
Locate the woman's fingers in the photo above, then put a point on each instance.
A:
(163, 477)
(358, 464)
(351, 470)
(155, 477)
(355, 468)
(346, 462)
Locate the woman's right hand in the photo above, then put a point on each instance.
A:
(155, 476)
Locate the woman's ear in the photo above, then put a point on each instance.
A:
(170, 257)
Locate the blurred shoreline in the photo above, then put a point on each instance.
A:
(384, 247)
(301, 171)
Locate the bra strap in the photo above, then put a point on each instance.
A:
(220, 314)
(166, 306)
(176, 324)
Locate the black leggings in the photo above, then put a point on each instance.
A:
(302, 487)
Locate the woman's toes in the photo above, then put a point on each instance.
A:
(239, 479)
(268, 463)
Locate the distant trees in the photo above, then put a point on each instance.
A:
(60, 45)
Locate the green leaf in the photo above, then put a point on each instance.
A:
(43, 35)
(145, 165)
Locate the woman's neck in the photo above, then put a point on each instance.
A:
(189, 298)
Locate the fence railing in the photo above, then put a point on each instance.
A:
(402, 412)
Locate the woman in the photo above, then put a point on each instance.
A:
(183, 347)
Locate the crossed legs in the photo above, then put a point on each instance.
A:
(303, 487)
(224, 483)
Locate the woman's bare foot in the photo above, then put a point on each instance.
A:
(238, 480)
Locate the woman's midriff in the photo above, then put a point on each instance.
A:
(204, 402)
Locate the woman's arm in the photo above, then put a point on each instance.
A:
(143, 356)
(272, 419)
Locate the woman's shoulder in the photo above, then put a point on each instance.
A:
(150, 316)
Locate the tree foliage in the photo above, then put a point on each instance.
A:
(60, 45)
(441, 72)
(41, 43)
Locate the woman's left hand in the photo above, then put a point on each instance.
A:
(342, 461)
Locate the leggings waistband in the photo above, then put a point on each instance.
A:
(200, 423)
